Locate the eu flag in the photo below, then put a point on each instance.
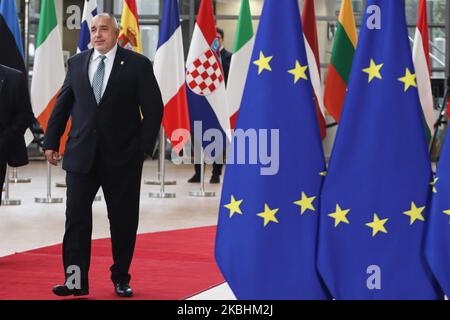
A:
(268, 216)
(437, 247)
(375, 198)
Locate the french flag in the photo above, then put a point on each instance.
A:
(170, 73)
(205, 77)
(89, 12)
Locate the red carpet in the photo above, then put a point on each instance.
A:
(167, 265)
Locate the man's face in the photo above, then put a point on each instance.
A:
(103, 34)
(219, 37)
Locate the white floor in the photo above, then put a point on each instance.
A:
(33, 225)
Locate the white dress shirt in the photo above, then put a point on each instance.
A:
(109, 61)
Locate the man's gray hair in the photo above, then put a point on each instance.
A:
(110, 16)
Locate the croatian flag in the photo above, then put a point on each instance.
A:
(170, 73)
(205, 77)
(89, 12)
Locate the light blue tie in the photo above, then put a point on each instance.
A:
(97, 82)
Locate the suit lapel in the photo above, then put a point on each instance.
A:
(119, 62)
(85, 74)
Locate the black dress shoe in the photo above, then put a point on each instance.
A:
(64, 291)
(215, 179)
(195, 179)
(123, 290)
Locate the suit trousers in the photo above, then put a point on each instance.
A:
(121, 189)
(2, 176)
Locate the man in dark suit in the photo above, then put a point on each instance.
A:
(225, 57)
(16, 116)
(105, 92)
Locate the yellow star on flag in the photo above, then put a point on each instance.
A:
(299, 72)
(377, 225)
(263, 63)
(373, 70)
(305, 203)
(233, 206)
(268, 215)
(433, 184)
(415, 213)
(409, 80)
(339, 216)
(447, 212)
(323, 173)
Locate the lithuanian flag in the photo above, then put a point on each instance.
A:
(130, 35)
(341, 61)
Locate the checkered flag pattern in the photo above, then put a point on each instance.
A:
(204, 75)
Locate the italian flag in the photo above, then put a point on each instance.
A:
(421, 58)
(48, 71)
(312, 53)
(130, 34)
(240, 61)
(341, 61)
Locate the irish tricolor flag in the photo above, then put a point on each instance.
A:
(48, 71)
(421, 57)
(341, 61)
(240, 61)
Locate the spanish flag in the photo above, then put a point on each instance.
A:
(130, 35)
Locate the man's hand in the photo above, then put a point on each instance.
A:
(52, 157)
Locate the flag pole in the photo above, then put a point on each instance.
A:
(159, 173)
(49, 198)
(202, 193)
(15, 177)
(162, 169)
(440, 121)
(7, 201)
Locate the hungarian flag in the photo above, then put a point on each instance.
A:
(312, 52)
(421, 57)
(170, 74)
(341, 61)
(89, 12)
(48, 72)
(240, 61)
(205, 78)
(130, 34)
(11, 54)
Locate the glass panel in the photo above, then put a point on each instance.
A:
(232, 7)
(144, 7)
(358, 9)
(35, 8)
(100, 5)
(184, 6)
(149, 35)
